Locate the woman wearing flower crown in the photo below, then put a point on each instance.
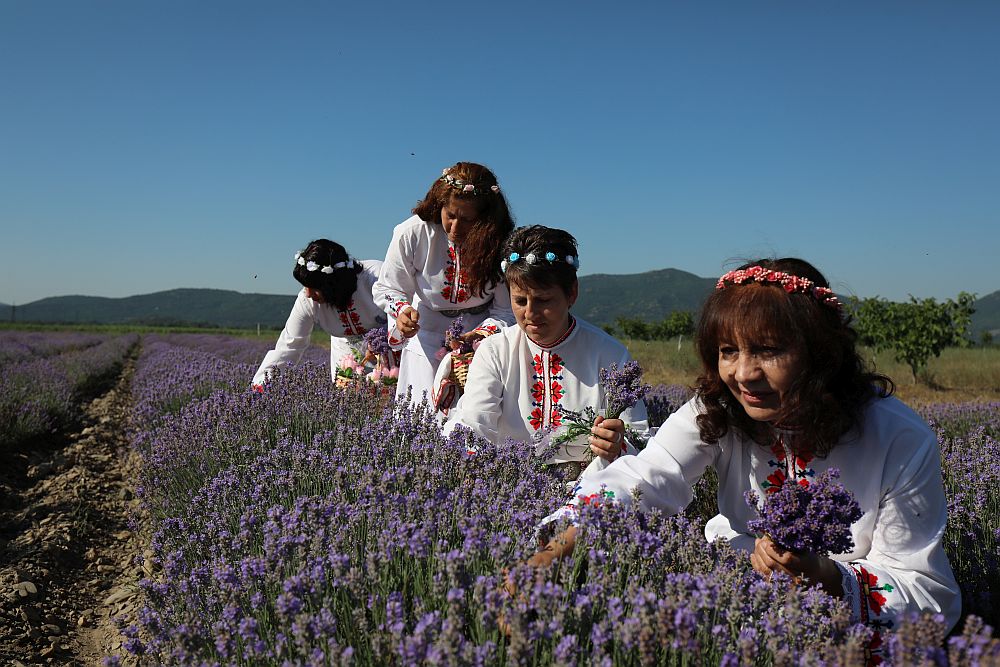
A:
(527, 381)
(442, 263)
(783, 396)
(336, 295)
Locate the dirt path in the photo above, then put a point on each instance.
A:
(67, 555)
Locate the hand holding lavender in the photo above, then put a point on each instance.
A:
(623, 388)
(815, 518)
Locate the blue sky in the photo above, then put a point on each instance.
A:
(146, 146)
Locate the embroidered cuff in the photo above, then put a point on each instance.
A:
(487, 330)
(852, 590)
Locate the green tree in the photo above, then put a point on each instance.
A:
(915, 330)
(634, 328)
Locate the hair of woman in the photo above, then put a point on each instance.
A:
(481, 246)
(547, 249)
(338, 287)
(827, 399)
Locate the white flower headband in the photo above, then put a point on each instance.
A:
(313, 266)
(467, 188)
(532, 258)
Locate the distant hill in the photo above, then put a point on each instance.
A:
(987, 315)
(649, 296)
(211, 307)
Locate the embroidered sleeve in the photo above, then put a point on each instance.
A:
(487, 330)
(396, 282)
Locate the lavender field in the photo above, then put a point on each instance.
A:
(314, 525)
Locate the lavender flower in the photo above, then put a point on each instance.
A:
(453, 341)
(376, 342)
(623, 388)
(812, 518)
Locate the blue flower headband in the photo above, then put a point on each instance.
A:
(532, 258)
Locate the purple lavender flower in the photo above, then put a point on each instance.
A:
(453, 341)
(376, 341)
(812, 518)
(623, 387)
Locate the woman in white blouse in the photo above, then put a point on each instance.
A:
(783, 396)
(524, 381)
(336, 295)
(444, 262)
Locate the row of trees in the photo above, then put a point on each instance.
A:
(915, 330)
(676, 324)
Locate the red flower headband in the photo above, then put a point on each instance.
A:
(788, 282)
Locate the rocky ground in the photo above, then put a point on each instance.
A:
(69, 563)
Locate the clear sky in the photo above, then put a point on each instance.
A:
(149, 145)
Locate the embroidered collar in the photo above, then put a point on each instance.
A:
(562, 339)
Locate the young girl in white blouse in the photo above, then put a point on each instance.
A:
(524, 381)
(783, 395)
(336, 295)
(444, 262)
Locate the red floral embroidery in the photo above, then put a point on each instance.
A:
(784, 465)
(546, 391)
(456, 280)
(351, 321)
(870, 590)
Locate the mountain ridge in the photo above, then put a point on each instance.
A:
(603, 298)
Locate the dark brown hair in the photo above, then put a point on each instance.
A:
(481, 247)
(338, 287)
(539, 240)
(826, 400)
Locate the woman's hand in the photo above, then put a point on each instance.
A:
(768, 557)
(406, 322)
(607, 438)
(469, 337)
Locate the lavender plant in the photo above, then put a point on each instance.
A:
(313, 526)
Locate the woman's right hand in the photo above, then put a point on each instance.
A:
(406, 322)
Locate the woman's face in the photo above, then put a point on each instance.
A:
(542, 312)
(315, 295)
(759, 375)
(457, 218)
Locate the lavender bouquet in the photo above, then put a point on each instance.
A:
(623, 388)
(816, 518)
(380, 353)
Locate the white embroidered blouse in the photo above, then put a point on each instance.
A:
(519, 389)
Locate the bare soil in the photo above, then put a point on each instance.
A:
(69, 561)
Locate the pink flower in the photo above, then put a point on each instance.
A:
(469, 187)
(394, 372)
(346, 361)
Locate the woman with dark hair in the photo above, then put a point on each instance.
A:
(336, 295)
(524, 381)
(784, 396)
(444, 262)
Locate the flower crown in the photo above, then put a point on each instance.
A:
(791, 284)
(466, 188)
(313, 266)
(532, 258)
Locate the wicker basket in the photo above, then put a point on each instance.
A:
(460, 367)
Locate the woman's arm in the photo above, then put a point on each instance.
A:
(293, 340)
(393, 291)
